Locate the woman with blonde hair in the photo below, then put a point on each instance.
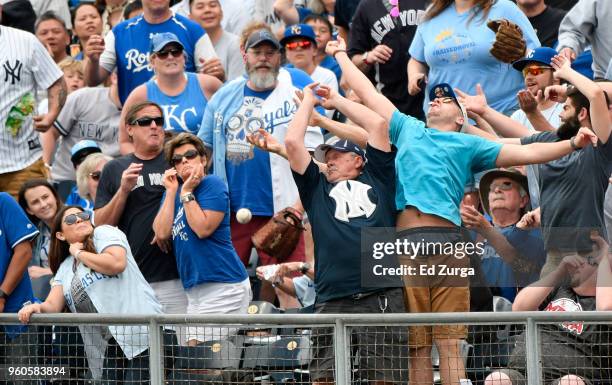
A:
(452, 44)
(88, 175)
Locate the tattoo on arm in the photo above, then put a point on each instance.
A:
(57, 94)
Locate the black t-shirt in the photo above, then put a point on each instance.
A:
(572, 191)
(338, 212)
(140, 210)
(565, 5)
(373, 25)
(546, 25)
(570, 347)
(343, 12)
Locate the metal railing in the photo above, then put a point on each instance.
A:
(260, 326)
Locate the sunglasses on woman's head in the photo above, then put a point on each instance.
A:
(300, 43)
(95, 175)
(178, 158)
(72, 218)
(147, 120)
(175, 52)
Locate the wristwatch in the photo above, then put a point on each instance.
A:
(365, 58)
(3, 294)
(187, 198)
(304, 267)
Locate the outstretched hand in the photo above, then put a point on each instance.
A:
(333, 46)
(584, 137)
(475, 103)
(263, 140)
(328, 96)
(527, 101)
(562, 67)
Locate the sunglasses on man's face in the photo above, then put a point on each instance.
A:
(305, 44)
(534, 70)
(504, 186)
(178, 158)
(444, 100)
(146, 121)
(95, 175)
(72, 218)
(175, 52)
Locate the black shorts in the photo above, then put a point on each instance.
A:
(378, 347)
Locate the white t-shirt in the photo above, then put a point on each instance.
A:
(228, 50)
(327, 77)
(25, 65)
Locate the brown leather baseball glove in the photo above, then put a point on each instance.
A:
(280, 235)
(509, 45)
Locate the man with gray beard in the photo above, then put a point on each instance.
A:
(258, 181)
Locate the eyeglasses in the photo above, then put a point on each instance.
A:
(305, 44)
(504, 186)
(267, 54)
(175, 52)
(147, 120)
(178, 158)
(534, 70)
(444, 100)
(95, 175)
(72, 218)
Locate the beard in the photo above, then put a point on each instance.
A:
(568, 128)
(263, 81)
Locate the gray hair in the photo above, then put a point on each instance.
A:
(85, 168)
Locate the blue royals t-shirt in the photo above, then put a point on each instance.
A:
(434, 166)
(15, 227)
(211, 259)
(133, 43)
(248, 169)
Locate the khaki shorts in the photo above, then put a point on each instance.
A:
(437, 287)
(11, 182)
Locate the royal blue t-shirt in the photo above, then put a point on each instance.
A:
(133, 43)
(15, 227)
(331, 64)
(210, 259)
(434, 166)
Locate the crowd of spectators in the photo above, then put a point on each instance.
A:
(145, 143)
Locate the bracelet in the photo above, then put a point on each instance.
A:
(340, 50)
(573, 143)
(76, 256)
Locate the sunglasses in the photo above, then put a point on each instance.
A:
(72, 218)
(300, 43)
(504, 186)
(178, 158)
(95, 175)
(174, 52)
(445, 100)
(534, 70)
(147, 120)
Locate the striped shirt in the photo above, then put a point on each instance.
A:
(25, 65)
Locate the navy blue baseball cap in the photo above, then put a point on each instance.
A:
(542, 55)
(81, 149)
(444, 90)
(261, 36)
(299, 30)
(160, 40)
(342, 145)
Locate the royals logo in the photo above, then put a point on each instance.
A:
(352, 200)
(296, 30)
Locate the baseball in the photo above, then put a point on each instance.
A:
(243, 216)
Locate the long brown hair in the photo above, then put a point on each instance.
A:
(438, 6)
(58, 249)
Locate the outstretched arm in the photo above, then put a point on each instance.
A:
(358, 82)
(600, 118)
(299, 158)
(513, 155)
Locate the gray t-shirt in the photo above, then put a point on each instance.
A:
(228, 50)
(88, 113)
(572, 191)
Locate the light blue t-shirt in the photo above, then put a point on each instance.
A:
(457, 53)
(210, 259)
(432, 166)
(183, 112)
